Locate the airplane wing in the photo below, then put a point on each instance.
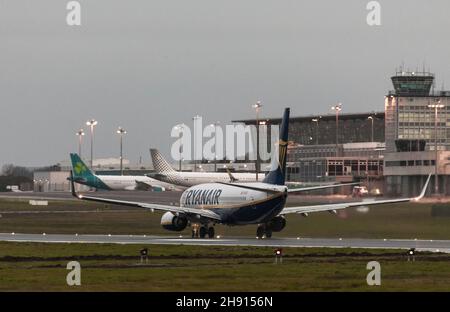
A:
(312, 188)
(156, 176)
(142, 185)
(274, 191)
(175, 209)
(334, 207)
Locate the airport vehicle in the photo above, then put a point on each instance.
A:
(360, 191)
(83, 175)
(261, 203)
(164, 172)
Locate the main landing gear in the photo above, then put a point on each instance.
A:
(263, 231)
(202, 231)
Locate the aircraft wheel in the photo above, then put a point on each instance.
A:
(260, 231)
(202, 232)
(268, 233)
(211, 232)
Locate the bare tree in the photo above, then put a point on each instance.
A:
(10, 170)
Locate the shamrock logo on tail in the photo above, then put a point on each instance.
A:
(79, 168)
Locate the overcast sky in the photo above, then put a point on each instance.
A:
(148, 65)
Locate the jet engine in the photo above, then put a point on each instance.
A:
(277, 224)
(171, 222)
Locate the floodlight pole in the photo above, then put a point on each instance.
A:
(121, 131)
(92, 123)
(337, 108)
(436, 106)
(80, 135)
(257, 106)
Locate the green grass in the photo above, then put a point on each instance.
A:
(107, 267)
(389, 221)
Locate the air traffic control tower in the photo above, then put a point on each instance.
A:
(417, 118)
(412, 84)
(408, 113)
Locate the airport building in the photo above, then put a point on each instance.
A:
(314, 156)
(349, 162)
(417, 134)
(51, 181)
(392, 150)
(321, 129)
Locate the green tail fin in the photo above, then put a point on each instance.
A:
(79, 167)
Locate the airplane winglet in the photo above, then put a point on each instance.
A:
(424, 189)
(232, 178)
(72, 185)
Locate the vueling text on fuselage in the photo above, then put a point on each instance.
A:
(202, 197)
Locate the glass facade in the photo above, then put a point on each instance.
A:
(352, 128)
(319, 163)
(417, 121)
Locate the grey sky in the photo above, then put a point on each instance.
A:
(148, 65)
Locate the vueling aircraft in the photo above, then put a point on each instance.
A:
(260, 203)
(165, 173)
(82, 175)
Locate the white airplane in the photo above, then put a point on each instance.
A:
(262, 203)
(82, 175)
(164, 172)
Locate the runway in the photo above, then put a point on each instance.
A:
(420, 245)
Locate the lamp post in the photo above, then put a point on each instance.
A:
(257, 106)
(92, 123)
(215, 143)
(436, 106)
(371, 119)
(337, 108)
(195, 118)
(180, 149)
(121, 131)
(80, 135)
(316, 120)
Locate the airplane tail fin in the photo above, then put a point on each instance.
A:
(278, 175)
(79, 168)
(160, 164)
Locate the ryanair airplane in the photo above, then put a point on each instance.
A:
(260, 203)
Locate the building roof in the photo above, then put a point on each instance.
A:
(327, 117)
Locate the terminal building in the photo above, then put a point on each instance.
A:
(410, 139)
(314, 156)
(319, 163)
(321, 129)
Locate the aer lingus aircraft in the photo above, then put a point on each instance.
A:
(261, 203)
(82, 175)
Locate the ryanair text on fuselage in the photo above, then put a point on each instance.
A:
(202, 197)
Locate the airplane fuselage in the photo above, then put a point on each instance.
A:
(188, 179)
(237, 205)
(116, 183)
